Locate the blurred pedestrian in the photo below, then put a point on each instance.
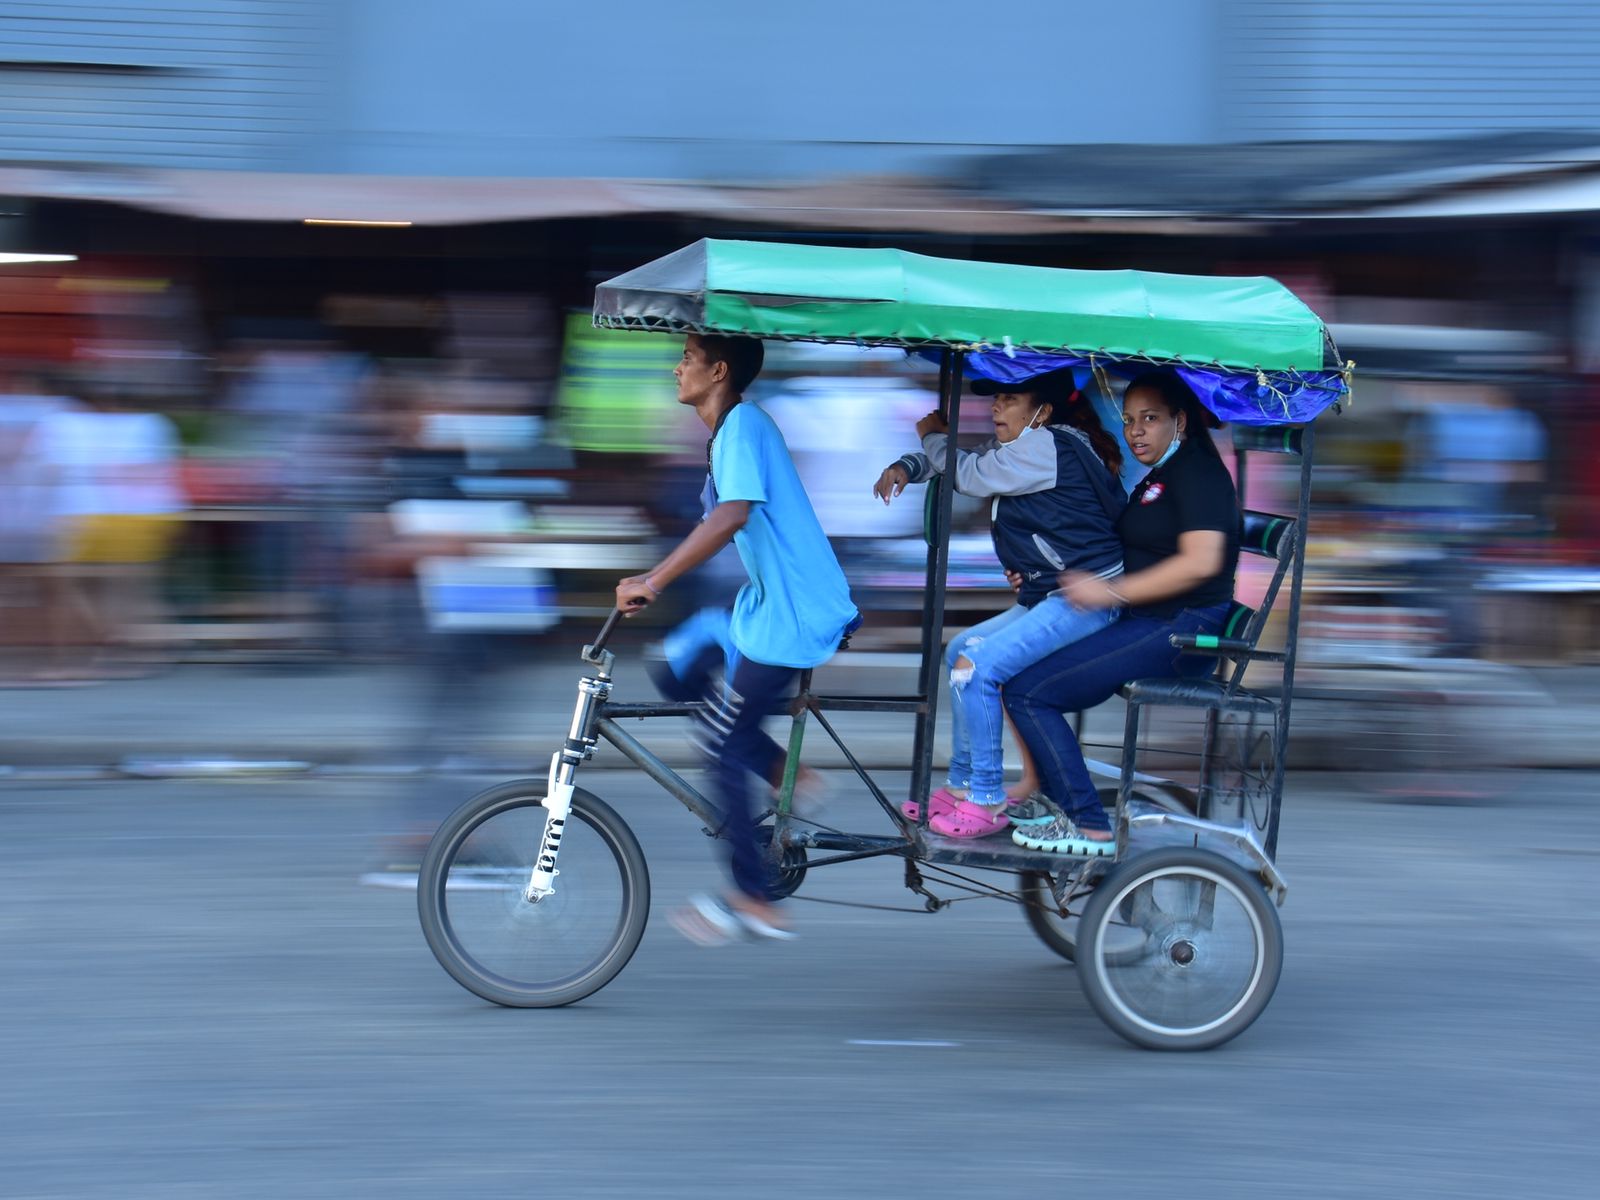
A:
(1482, 458)
(30, 531)
(118, 505)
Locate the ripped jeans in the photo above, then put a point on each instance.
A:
(998, 649)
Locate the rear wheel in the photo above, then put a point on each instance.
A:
(1179, 950)
(517, 952)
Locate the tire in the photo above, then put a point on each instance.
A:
(520, 954)
(1208, 955)
(791, 869)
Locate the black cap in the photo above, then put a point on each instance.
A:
(1052, 385)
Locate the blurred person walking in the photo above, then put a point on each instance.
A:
(30, 534)
(791, 616)
(418, 482)
(118, 506)
(1483, 458)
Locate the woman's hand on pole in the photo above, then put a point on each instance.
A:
(934, 422)
(891, 483)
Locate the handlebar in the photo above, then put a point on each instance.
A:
(599, 643)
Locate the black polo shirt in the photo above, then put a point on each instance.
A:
(1192, 490)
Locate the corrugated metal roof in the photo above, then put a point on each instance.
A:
(1408, 68)
(166, 83)
(1269, 178)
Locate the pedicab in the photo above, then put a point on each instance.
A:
(1176, 937)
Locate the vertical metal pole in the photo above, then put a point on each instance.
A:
(932, 680)
(1205, 801)
(791, 771)
(1292, 640)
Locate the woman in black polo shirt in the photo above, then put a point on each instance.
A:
(1180, 536)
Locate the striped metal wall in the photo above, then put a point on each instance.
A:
(1408, 68)
(178, 83)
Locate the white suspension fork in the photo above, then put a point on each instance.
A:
(558, 806)
(558, 792)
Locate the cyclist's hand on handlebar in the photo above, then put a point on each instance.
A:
(634, 594)
(1014, 578)
(891, 483)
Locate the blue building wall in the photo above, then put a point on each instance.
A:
(729, 89)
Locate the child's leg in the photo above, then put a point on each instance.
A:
(1029, 783)
(960, 774)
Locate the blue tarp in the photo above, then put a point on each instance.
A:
(1268, 398)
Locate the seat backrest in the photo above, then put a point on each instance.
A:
(1268, 536)
(1238, 622)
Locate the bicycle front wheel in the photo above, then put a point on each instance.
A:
(524, 954)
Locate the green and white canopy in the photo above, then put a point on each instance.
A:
(892, 297)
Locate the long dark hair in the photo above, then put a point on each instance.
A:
(1069, 406)
(1178, 397)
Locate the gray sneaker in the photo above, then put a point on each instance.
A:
(1037, 809)
(1060, 836)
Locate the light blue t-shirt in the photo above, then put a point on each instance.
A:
(795, 608)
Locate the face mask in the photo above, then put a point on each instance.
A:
(1172, 448)
(1030, 425)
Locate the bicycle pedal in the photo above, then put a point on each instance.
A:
(1065, 884)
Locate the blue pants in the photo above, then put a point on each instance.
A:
(689, 644)
(998, 649)
(731, 737)
(1085, 674)
(738, 694)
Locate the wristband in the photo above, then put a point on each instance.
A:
(650, 583)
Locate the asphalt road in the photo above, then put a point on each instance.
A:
(196, 999)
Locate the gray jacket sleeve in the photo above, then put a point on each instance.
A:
(1017, 468)
(918, 468)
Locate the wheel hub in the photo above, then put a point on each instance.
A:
(1181, 952)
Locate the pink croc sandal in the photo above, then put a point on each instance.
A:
(942, 801)
(968, 820)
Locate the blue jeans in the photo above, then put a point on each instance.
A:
(1085, 674)
(738, 693)
(998, 649)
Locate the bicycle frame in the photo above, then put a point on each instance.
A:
(595, 718)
